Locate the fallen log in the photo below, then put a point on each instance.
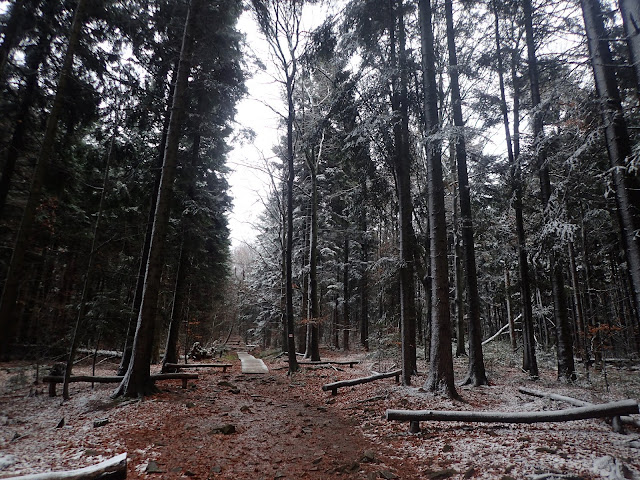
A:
(357, 381)
(612, 409)
(114, 468)
(53, 380)
(574, 401)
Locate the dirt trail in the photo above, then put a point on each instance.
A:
(223, 426)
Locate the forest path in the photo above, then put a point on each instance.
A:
(270, 426)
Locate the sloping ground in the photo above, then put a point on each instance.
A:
(234, 426)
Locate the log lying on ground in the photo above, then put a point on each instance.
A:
(573, 401)
(357, 381)
(182, 366)
(53, 380)
(612, 409)
(114, 468)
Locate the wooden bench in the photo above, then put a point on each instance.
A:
(357, 381)
(53, 380)
(611, 409)
(182, 366)
(351, 363)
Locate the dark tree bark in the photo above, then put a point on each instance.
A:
(314, 302)
(364, 276)
(457, 265)
(529, 362)
(630, 10)
(346, 323)
(402, 164)
(144, 255)
(8, 318)
(181, 290)
(626, 184)
(441, 366)
(137, 381)
(88, 277)
(476, 375)
(566, 365)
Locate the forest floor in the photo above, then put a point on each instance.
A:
(274, 426)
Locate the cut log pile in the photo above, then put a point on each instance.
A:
(114, 468)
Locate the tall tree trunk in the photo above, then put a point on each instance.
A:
(630, 10)
(507, 295)
(529, 362)
(566, 366)
(144, 254)
(625, 182)
(346, 327)
(457, 269)
(88, 277)
(291, 343)
(441, 366)
(364, 276)
(180, 293)
(313, 266)
(477, 374)
(8, 317)
(137, 381)
(405, 205)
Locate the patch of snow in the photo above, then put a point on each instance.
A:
(6, 460)
(611, 468)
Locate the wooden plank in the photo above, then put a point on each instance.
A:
(115, 468)
(357, 381)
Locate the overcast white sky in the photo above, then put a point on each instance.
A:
(248, 183)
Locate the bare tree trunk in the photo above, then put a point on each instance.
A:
(507, 290)
(529, 362)
(476, 375)
(314, 340)
(626, 183)
(345, 282)
(137, 381)
(566, 366)
(441, 366)
(8, 318)
(88, 278)
(180, 294)
(399, 100)
(144, 254)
